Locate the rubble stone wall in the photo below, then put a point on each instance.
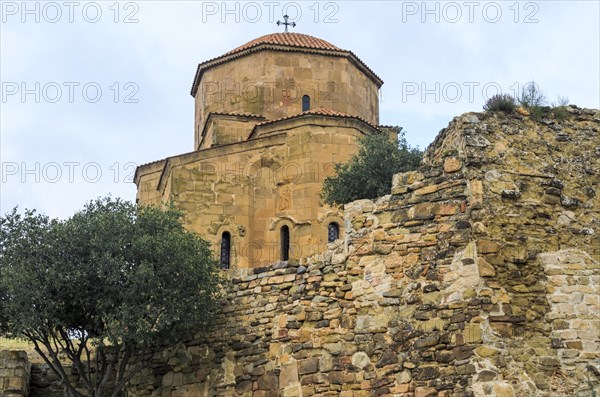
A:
(478, 276)
(15, 371)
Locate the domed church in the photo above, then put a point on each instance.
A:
(272, 118)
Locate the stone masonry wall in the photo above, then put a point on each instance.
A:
(45, 383)
(20, 378)
(14, 373)
(537, 234)
(478, 276)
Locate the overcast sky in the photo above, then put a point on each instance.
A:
(92, 89)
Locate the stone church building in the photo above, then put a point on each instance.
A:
(272, 117)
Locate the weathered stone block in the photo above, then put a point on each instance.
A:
(308, 366)
(425, 391)
(486, 351)
(361, 360)
(485, 269)
(487, 246)
(452, 164)
(243, 387)
(288, 374)
(268, 381)
(503, 390)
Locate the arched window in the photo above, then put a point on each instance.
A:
(225, 250)
(285, 242)
(305, 103)
(333, 232)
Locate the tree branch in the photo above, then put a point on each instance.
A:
(121, 379)
(108, 370)
(56, 365)
(89, 364)
(75, 356)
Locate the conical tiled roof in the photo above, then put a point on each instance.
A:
(288, 39)
(295, 42)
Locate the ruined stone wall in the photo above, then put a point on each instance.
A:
(537, 235)
(45, 383)
(364, 318)
(14, 374)
(21, 378)
(478, 276)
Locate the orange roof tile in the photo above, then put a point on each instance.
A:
(279, 41)
(247, 115)
(288, 39)
(314, 112)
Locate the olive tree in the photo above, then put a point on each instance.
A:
(369, 172)
(93, 288)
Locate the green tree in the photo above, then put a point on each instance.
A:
(534, 100)
(369, 172)
(532, 96)
(113, 278)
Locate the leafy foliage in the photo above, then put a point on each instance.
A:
(368, 174)
(559, 109)
(502, 102)
(533, 100)
(532, 96)
(112, 278)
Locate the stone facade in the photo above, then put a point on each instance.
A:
(260, 158)
(20, 378)
(478, 276)
(270, 75)
(15, 371)
(272, 83)
(253, 188)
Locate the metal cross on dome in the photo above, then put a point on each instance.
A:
(286, 23)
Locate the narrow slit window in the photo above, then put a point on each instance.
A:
(305, 103)
(285, 243)
(333, 232)
(225, 250)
